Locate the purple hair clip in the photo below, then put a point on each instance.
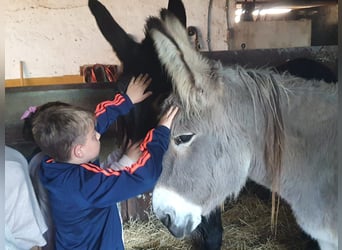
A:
(28, 112)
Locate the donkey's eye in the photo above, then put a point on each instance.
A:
(183, 139)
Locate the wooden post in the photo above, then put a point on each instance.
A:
(21, 73)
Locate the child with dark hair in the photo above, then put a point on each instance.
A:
(30, 113)
(83, 195)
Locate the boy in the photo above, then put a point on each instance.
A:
(83, 195)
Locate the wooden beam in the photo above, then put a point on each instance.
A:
(40, 81)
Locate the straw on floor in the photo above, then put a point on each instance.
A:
(246, 223)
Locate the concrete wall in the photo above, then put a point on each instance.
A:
(55, 38)
(272, 34)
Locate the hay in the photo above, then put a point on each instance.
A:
(246, 223)
(151, 234)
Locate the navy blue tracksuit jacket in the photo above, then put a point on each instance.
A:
(83, 197)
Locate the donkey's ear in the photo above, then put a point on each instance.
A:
(190, 72)
(177, 8)
(123, 45)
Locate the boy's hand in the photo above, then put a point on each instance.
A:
(167, 118)
(137, 86)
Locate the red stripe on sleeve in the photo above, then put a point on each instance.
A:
(50, 160)
(141, 162)
(145, 156)
(148, 138)
(96, 169)
(101, 107)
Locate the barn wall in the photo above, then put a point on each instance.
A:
(272, 34)
(54, 38)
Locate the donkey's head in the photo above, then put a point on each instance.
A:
(137, 58)
(194, 179)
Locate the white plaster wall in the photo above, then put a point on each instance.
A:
(55, 38)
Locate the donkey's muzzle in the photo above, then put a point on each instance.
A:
(176, 231)
(179, 215)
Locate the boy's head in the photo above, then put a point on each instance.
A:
(66, 133)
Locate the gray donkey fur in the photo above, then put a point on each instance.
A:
(236, 123)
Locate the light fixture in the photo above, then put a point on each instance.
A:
(261, 12)
(274, 11)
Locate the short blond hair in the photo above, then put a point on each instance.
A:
(57, 129)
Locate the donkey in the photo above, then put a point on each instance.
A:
(235, 123)
(137, 58)
(142, 58)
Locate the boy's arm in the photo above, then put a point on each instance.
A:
(108, 111)
(104, 187)
(109, 186)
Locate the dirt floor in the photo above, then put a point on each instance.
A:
(246, 223)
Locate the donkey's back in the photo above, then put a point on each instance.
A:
(309, 175)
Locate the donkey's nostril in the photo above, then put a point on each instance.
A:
(166, 220)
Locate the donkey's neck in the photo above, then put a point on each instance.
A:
(309, 113)
(265, 95)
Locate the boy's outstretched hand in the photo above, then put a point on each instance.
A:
(167, 118)
(137, 86)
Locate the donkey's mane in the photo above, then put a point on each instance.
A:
(265, 93)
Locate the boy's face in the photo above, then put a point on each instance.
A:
(91, 147)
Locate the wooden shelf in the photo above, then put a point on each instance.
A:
(41, 81)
